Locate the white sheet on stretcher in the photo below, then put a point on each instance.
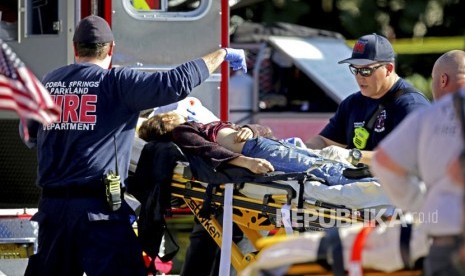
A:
(355, 195)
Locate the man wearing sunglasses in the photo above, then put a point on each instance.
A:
(364, 118)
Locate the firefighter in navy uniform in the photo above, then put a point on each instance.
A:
(364, 118)
(84, 226)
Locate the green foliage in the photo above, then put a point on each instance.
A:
(421, 83)
(401, 18)
(353, 16)
(420, 30)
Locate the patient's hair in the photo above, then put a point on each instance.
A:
(158, 127)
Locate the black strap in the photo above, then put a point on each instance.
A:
(170, 255)
(322, 253)
(301, 200)
(371, 122)
(389, 98)
(207, 209)
(300, 205)
(330, 244)
(151, 267)
(360, 171)
(336, 252)
(405, 236)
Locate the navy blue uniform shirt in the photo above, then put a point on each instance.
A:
(356, 110)
(100, 107)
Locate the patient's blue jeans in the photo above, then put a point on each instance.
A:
(287, 157)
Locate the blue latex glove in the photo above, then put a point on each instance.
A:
(236, 58)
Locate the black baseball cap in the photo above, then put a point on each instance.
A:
(93, 29)
(370, 49)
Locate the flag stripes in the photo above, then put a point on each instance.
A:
(22, 92)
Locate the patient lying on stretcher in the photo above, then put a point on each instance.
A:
(250, 146)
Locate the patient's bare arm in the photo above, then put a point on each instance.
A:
(255, 165)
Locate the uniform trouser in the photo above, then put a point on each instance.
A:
(287, 157)
(78, 235)
(439, 260)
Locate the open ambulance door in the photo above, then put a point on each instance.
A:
(39, 32)
(162, 36)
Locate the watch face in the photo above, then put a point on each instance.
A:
(356, 154)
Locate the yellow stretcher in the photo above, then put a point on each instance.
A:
(264, 214)
(280, 204)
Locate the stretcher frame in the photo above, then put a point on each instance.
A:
(251, 215)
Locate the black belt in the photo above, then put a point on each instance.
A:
(95, 191)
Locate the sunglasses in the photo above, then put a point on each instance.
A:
(365, 71)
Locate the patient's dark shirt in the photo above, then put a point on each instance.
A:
(200, 139)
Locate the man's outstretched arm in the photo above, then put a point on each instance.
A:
(236, 58)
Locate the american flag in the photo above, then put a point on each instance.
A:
(22, 92)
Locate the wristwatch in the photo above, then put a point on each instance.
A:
(354, 156)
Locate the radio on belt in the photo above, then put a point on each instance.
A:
(113, 185)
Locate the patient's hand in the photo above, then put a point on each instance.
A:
(259, 166)
(243, 135)
(336, 153)
(255, 165)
